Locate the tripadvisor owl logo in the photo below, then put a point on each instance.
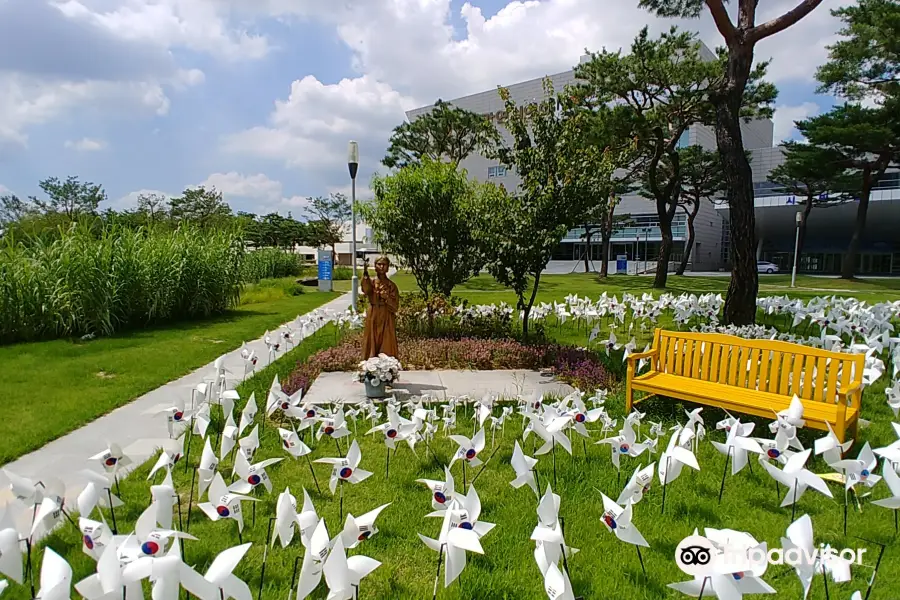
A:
(698, 556)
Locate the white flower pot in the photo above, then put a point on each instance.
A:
(374, 391)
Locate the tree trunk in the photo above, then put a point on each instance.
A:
(848, 265)
(527, 313)
(740, 303)
(801, 238)
(604, 252)
(665, 211)
(690, 241)
(587, 250)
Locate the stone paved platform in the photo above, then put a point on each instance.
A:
(330, 387)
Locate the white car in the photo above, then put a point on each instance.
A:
(766, 267)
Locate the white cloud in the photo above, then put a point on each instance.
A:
(311, 129)
(786, 115)
(86, 145)
(130, 200)
(258, 186)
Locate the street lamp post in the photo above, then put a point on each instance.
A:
(353, 164)
(799, 219)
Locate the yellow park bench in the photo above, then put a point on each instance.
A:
(755, 377)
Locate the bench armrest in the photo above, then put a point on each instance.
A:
(852, 390)
(643, 355)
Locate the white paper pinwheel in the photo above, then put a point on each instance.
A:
(148, 539)
(112, 459)
(394, 429)
(800, 539)
(581, 415)
(551, 429)
(49, 511)
(56, 577)
(313, 561)
(638, 485)
(524, 467)
(229, 436)
(342, 575)
(108, 583)
(730, 421)
(830, 447)
(891, 452)
(618, 521)
(624, 444)
(796, 477)
(468, 448)
(441, 491)
(97, 492)
(168, 574)
(860, 470)
(224, 504)
(250, 359)
(738, 445)
(248, 415)
(95, 537)
(334, 427)
(550, 544)
(166, 460)
(252, 475)
(893, 482)
(557, 584)
(674, 458)
(292, 444)
(177, 418)
(345, 469)
(202, 420)
(286, 518)
(786, 424)
(221, 574)
(10, 554)
(361, 528)
(206, 470)
(456, 537)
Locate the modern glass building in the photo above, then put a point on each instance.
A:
(828, 229)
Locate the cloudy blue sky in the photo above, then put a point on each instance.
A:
(259, 97)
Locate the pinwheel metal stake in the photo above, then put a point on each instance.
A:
(437, 577)
(262, 573)
(725, 472)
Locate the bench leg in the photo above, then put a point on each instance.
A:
(629, 393)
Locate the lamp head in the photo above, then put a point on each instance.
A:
(353, 158)
(799, 217)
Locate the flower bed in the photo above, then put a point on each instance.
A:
(581, 368)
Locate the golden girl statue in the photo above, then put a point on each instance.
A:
(380, 335)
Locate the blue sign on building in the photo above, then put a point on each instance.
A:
(325, 270)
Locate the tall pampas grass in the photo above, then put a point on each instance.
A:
(83, 282)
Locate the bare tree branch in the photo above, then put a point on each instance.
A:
(723, 21)
(783, 22)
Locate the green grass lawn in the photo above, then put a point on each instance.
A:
(484, 289)
(50, 388)
(605, 568)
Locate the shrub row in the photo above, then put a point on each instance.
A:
(270, 263)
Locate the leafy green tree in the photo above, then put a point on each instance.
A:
(201, 206)
(423, 214)
(12, 210)
(867, 141)
(71, 198)
(559, 178)
(660, 89)
(328, 220)
(446, 132)
(702, 180)
(153, 206)
(741, 37)
(815, 176)
(866, 64)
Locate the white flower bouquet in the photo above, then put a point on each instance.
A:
(381, 369)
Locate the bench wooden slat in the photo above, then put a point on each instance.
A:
(765, 362)
(679, 354)
(819, 385)
(716, 355)
(785, 375)
(754, 368)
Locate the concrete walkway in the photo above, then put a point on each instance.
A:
(329, 387)
(139, 435)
